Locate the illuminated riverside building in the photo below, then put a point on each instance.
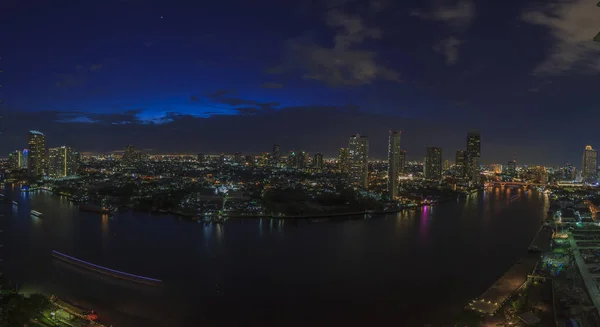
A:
(15, 159)
(358, 160)
(589, 164)
(472, 156)
(37, 153)
(394, 163)
(460, 163)
(433, 163)
(62, 162)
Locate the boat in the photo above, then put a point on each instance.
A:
(15, 203)
(104, 270)
(105, 210)
(36, 213)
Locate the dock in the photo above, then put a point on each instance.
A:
(542, 242)
(495, 296)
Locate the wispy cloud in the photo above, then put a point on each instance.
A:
(573, 25)
(343, 64)
(458, 14)
(449, 48)
(272, 85)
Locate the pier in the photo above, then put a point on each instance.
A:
(542, 242)
(513, 280)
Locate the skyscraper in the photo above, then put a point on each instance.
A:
(433, 163)
(394, 153)
(62, 162)
(14, 159)
(275, 155)
(343, 160)
(589, 164)
(37, 153)
(129, 155)
(460, 163)
(358, 157)
(25, 159)
(472, 156)
(318, 162)
(402, 161)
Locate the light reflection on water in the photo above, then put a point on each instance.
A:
(320, 263)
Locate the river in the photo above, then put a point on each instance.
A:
(408, 269)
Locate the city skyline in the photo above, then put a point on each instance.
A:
(315, 72)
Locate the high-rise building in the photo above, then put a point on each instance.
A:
(402, 161)
(62, 162)
(394, 153)
(200, 158)
(249, 160)
(318, 162)
(460, 163)
(472, 156)
(275, 155)
(129, 155)
(25, 159)
(14, 159)
(37, 153)
(238, 159)
(433, 163)
(589, 164)
(511, 168)
(343, 160)
(358, 159)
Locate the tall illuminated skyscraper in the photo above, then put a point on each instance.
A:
(589, 164)
(472, 156)
(358, 157)
(460, 163)
(433, 163)
(37, 153)
(62, 162)
(394, 163)
(14, 159)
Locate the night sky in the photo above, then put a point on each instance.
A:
(227, 76)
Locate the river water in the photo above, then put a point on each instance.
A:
(413, 268)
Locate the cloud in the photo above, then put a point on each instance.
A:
(79, 76)
(449, 47)
(221, 97)
(272, 85)
(459, 14)
(343, 64)
(572, 25)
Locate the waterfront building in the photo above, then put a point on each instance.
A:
(62, 162)
(394, 153)
(37, 153)
(433, 163)
(358, 157)
(472, 156)
(460, 163)
(402, 161)
(511, 168)
(15, 159)
(589, 166)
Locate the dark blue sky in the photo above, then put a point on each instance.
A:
(226, 76)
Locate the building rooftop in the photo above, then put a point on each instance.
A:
(34, 132)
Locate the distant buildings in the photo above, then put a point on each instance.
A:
(15, 159)
(511, 168)
(318, 162)
(343, 160)
(37, 153)
(358, 157)
(433, 163)
(129, 155)
(589, 164)
(394, 154)
(275, 155)
(200, 158)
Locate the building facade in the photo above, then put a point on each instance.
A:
(433, 163)
(36, 164)
(318, 162)
(62, 162)
(275, 155)
(358, 157)
(589, 164)
(460, 163)
(394, 154)
(343, 160)
(472, 156)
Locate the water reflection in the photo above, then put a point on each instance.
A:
(424, 224)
